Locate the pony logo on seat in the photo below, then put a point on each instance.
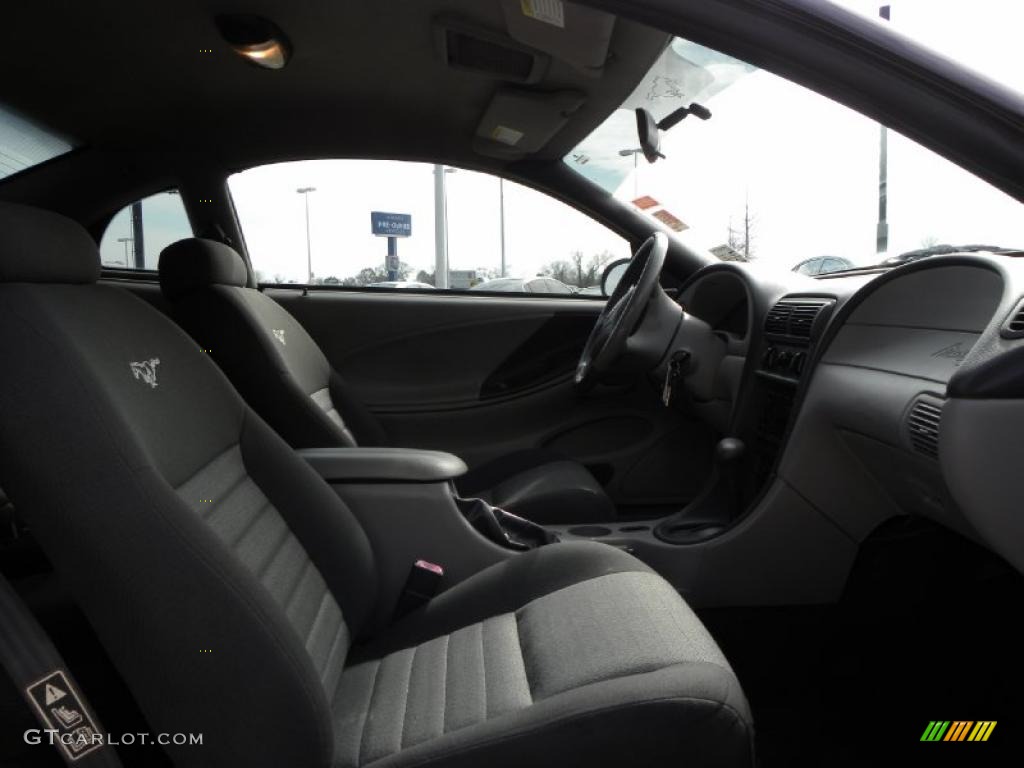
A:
(279, 335)
(145, 371)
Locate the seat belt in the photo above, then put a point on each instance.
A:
(38, 671)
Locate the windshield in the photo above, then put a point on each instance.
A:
(784, 175)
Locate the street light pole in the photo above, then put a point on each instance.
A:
(125, 240)
(882, 231)
(304, 191)
(501, 198)
(441, 226)
(636, 176)
(138, 241)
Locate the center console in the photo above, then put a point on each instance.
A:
(791, 329)
(405, 501)
(745, 462)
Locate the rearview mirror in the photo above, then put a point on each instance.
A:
(649, 130)
(648, 134)
(612, 275)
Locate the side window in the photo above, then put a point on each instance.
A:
(403, 225)
(138, 232)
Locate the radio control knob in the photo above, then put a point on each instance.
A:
(797, 364)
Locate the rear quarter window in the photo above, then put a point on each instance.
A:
(139, 231)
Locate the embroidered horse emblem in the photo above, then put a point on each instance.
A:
(145, 371)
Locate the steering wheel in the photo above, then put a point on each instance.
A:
(623, 312)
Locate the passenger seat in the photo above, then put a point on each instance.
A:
(232, 587)
(281, 371)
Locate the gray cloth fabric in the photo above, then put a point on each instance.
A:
(322, 399)
(615, 644)
(105, 409)
(41, 247)
(224, 496)
(196, 263)
(272, 361)
(181, 522)
(411, 696)
(610, 626)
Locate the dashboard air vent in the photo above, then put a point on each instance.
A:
(794, 317)
(1013, 328)
(778, 319)
(923, 422)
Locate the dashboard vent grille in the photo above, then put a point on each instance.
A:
(1013, 328)
(794, 317)
(777, 321)
(923, 422)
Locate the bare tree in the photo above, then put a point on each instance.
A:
(369, 275)
(577, 263)
(578, 270)
(741, 239)
(561, 270)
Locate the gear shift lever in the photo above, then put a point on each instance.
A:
(728, 453)
(711, 512)
(729, 449)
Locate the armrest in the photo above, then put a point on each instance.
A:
(396, 465)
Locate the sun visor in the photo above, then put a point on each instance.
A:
(571, 33)
(518, 122)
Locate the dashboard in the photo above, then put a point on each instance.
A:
(872, 395)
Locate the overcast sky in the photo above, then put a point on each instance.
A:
(538, 229)
(807, 167)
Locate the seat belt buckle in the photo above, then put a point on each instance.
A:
(421, 586)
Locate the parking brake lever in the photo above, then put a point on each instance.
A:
(504, 528)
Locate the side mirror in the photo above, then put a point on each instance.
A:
(612, 275)
(648, 134)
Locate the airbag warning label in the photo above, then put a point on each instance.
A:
(61, 709)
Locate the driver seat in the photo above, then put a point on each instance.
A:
(284, 375)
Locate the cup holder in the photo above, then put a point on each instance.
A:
(590, 531)
(689, 531)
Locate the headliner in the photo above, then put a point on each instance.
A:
(364, 80)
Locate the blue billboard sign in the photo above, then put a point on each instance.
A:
(391, 224)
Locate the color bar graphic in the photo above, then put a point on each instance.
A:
(958, 730)
(935, 730)
(982, 730)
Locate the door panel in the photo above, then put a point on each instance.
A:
(410, 352)
(481, 376)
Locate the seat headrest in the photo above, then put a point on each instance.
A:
(38, 246)
(193, 263)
